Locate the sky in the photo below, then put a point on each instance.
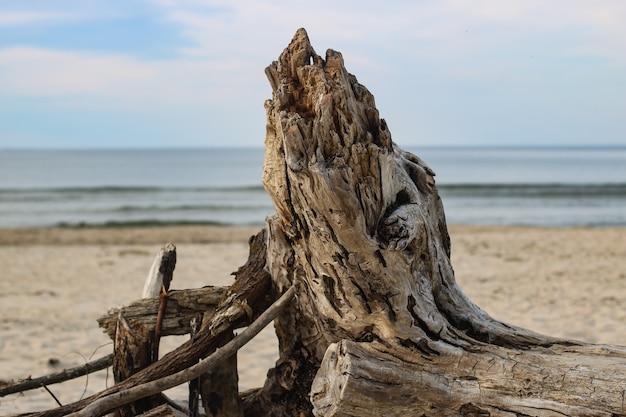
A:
(190, 73)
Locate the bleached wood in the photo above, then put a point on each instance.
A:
(369, 380)
(161, 271)
(360, 232)
(372, 321)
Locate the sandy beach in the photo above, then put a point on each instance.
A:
(567, 282)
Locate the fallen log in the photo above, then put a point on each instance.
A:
(366, 379)
(380, 326)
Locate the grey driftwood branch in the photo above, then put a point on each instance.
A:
(55, 378)
(103, 405)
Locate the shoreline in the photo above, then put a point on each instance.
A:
(204, 234)
(565, 282)
(200, 234)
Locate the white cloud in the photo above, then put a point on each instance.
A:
(74, 79)
(16, 18)
(378, 36)
(34, 71)
(402, 50)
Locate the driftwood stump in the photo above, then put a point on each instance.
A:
(379, 326)
(371, 319)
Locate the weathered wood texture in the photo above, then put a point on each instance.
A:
(220, 390)
(135, 345)
(245, 300)
(182, 307)
(360, 232)
(161, 272)
(106, 403)
(367, 379)
(133, 352)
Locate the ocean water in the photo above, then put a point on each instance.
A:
(491, 186)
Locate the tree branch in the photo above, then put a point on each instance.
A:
(64, 375)
(108, 403)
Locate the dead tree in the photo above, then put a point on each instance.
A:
(380, 326)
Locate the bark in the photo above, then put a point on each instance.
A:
(361, 235)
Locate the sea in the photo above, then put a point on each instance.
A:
(542, 186)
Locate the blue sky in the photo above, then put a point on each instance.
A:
(190, 73)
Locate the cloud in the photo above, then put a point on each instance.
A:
(34, 71)
(440, 60)
(43, 72)
(17, 18)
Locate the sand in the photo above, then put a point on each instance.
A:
(567, 282)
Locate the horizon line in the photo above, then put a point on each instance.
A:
(244, 148)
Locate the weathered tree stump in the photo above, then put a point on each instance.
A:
(380, 326)
(371, 319)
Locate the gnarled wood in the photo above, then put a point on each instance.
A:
(360, 232)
